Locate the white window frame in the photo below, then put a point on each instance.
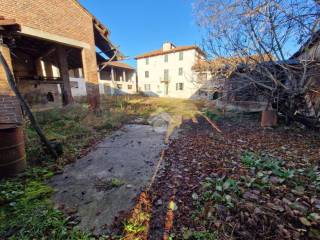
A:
(181, 56)
(179, 86)
(147, 87)
(180, 71)
(166, 58)
(166, 74)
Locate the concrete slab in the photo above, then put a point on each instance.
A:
(129, 156)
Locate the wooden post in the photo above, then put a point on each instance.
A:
(89, 62)
(112, 74)
(113, 81)
(64, 74)
(124, 75)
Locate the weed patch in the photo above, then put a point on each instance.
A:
(213, 116)
(27, 213)
(199, 235)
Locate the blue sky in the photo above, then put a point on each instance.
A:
(139, 26)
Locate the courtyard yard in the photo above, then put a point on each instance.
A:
(218, 176)
(203, 125)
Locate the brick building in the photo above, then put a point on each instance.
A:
(43, 39)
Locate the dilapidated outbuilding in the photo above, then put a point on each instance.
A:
(308, 56)
(117, 78)
(44, 42)
(226, 83)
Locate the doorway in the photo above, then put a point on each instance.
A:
(165, 89)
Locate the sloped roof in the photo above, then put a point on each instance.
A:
(313, 40)
(176, 49)
(117, 64)
(223, 61)
(9, 25)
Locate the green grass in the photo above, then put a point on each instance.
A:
(214, 116)
(76, 126)
(199, 235)
(26, 211)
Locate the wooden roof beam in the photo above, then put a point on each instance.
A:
(9, 25)
(7, 22)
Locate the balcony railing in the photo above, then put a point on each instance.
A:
(165, 79)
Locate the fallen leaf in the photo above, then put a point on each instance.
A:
(305, 221)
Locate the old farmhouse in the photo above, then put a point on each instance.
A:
(168, 72)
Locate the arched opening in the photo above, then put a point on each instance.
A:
(216, 95)
(50, 97)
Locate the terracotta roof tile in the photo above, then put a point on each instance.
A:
(118, 65)
(161, 52)
(223, 61)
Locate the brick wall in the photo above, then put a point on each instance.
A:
(10, 112)
(61, 17)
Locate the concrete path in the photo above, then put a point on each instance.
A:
(97, 187)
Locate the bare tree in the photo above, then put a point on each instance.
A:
(252, 31)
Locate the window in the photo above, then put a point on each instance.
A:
(147, 87)
(147, 61)
(50, 97)
(216, 95)
(166, 75)
(74, 84)
(166, 58)
(105, 75)
(119, 86)
(129, 87)
(75, 73)
(180, 56)
(203, 77)
(71, 73)
(179, 86)
(146, 74)
(180, 71)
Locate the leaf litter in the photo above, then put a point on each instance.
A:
(246, 183)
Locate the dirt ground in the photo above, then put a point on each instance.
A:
(191, 179)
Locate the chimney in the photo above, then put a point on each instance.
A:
(168, 46)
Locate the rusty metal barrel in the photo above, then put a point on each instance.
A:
(12, 151)
(269, 118)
